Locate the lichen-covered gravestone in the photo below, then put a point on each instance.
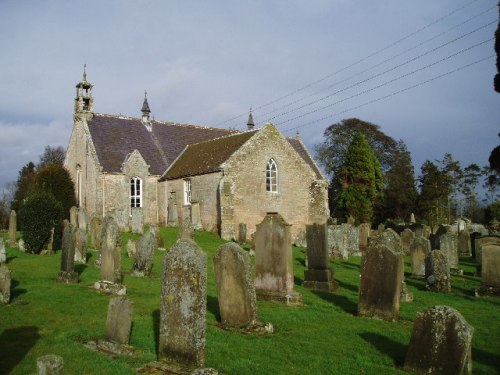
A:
(406, 236)
(131, 247)
(242, 233)
(448, 245)
(318, 275)
(67, 273)
(145, 250)
(480, 242)
(419, 250)
(119, 320)
(3, 254)
(50, 365)
(80, 246)
(95, 232)
(490, 275)
(5, 282)
(464, 248)
(440, 343)
(273, 261)
(73, 216)
(12, 228)
(82, 219)
(437, 272)
(364, 234)
(381, 280)
(137, 220)
(183, 305)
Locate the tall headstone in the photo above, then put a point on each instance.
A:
(160, 242)
(137, 220)
(172, 218)
(412, 218)
(50, 365)
(67, 273)
(82, 219)
(119, 320)
(12, 228)
(464, 248)
(80, 246)
(242, 233)
(131, 247)
(490, 272)
(364, 233)
(235, 283)
(73, 216)
(437, 272)
(145, 250)
(183, 305)
(380, 285)
(3, 254)
(419, 251)
(440, 343)
(4, 284)
(480, 242)
(318, 275)
(406, 236)
(185, 228)
(273, 261)
(196, 215)
(95, 232)
(448, 245)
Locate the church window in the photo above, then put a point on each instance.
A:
(135, 192)
(187, 191)
(78, 186)
(272, 176)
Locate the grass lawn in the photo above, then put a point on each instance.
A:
(324, 336)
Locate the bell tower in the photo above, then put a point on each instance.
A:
(84, 102)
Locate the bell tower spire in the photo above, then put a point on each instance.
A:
(84, 102)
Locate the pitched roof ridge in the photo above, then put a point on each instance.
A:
(236, 132)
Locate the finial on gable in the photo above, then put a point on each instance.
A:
(250, 123)
(84, 72)
(146, 111)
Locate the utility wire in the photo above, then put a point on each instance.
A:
(391, 94)
(440, 19)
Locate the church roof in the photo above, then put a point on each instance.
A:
(206, 157)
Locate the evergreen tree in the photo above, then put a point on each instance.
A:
(400, 193)
(24, 185)
(361, 180)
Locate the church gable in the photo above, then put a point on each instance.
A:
(135, 165)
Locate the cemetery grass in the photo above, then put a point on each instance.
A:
(323, 336)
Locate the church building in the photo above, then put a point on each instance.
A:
(220, 178)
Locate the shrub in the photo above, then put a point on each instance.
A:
(40, 213)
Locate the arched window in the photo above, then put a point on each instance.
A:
(187, 191)
(135, 192)
(272, 176)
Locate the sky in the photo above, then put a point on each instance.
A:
(421, 70)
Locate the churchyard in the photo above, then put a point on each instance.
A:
(321, 334)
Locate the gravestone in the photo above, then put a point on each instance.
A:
(95, 232)
(464, 243)
(80, 246)
(185, 228)
(183, 305)
(380, 228)
(50, 244)
(20, 245)
(419, 250)
(12, 228)
(318, 275)
(480, 242)
(364, 233)
(121, 217)
(437, 272)
(343, 241)
(273, 261)
(131, 247)
(172, 214)
(67, 273)
(412, 218)
(196, 215)
(160, 243)
(82, 219)
(5, 282)
(448, 243)
(110, 275)
(50, 365)
(137, 220)
(73, 216)
(3, 254)
(242, 233)
(406, 236)
(380, 285)
(145, 250)
(235, 283)
(440, 343)
(119, 320)
(490, 272)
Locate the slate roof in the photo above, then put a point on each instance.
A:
(302, 151)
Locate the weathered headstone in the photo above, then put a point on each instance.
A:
(160, 242)
(50, 365)
(490, 272)
(185, 228)
(20, 245)
(480, 242)
(80, 246)
(131, 248)
(137, 220)
(4, 284)
(119, 320)
(95, 232)
(242, 233)
(406, 236)
(121, 217)
(448, 245)
(3, 254)
(82, 219)
(380, 285)
(183, 305)
(12, 228)
(145, 250)
(440, 343)
(273, 261)
(419, 250)
(172, 218)
(380, 228)
(235, 283)
(343, 241)
(318, 275)
(437, 272)
(196, 215)
(464, 243)
(73, 216)
(412, 218)
(364, 233)
(67, 273)
(50, 244)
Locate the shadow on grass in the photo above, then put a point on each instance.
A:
(15, 343)
(351, 287)
(156, 328)
(10, 259)
(343, 302)
(348, 265)
(297, 280)
(15, 291)
(486, 358)
(386, 346)
(301, 261)
(213, 306)
(418, 284)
